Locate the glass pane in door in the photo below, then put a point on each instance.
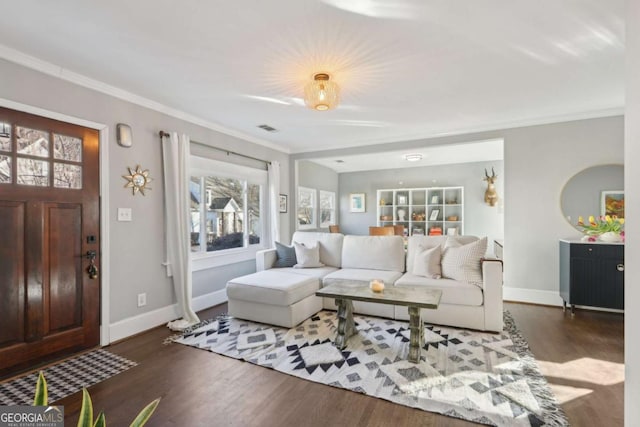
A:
(33, 172)
(5, 136)
(67, 176)
(67, 148)
(5, 170)
(32, 142)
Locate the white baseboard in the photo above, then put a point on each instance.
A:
(532, 296)
(209, 300)
(136, 324)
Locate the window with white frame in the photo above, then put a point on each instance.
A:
(327, 208)
(227, 204)
(306, 208)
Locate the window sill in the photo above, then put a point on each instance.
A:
(206, 260)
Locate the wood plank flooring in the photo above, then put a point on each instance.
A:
(199, 388)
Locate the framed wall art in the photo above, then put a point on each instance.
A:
(612, 203)
(282, 203)
(357, 202)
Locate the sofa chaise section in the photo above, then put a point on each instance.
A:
(274, 297)
(284, 296)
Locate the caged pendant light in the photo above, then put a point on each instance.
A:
(321, 94)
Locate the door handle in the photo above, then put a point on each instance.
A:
(620, 267)
(92, 270)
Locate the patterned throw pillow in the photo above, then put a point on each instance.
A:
(426, 262)
(285, 256)
(463, 262)
(308, 256)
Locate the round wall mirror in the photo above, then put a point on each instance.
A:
(597, 190)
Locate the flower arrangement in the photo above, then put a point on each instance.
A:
(603, 224)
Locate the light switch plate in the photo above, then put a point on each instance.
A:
(124, 214)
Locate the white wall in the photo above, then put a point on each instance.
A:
(136, 248)
(632, 212)
(538, 161)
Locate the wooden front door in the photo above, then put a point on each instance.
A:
(49, 221)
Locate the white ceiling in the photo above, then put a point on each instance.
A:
(408, 69)
(478, 151)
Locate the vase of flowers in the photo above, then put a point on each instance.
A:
(610, 237)
(606, 228)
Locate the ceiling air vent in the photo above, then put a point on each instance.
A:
(268, 128)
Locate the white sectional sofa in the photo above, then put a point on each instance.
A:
(286, 296)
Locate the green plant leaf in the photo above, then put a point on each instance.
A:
(145, 414)
(86, 412)
(101, 420)
(42, 397)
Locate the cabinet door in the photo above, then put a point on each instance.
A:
(597, 282)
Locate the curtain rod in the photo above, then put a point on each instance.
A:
(229, 152)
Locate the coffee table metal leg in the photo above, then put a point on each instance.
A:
(346, 326)
(416, 337)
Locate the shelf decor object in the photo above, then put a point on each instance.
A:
(414, 209)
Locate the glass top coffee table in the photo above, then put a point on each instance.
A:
(415, 298)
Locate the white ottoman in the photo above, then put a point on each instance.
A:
(274, 297)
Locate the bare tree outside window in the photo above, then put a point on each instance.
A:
(225, 213)
(327, 208)
(306, 208)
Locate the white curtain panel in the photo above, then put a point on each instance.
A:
(273, 170)
(175, 154)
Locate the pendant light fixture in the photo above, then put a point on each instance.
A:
(321, 94)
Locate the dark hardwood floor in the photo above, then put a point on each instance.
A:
(583, 355)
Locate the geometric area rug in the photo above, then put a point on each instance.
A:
(65, 378)
(482, 377)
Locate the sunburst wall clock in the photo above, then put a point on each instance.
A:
(137, 180)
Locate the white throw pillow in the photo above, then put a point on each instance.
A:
(307, 256)
(427, 262)
(462, 262)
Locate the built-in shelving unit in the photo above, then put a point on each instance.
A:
(421, 210)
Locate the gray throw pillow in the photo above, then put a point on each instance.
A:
(285, 256)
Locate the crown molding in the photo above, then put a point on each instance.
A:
(21, 58)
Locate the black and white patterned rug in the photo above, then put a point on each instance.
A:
(481, 377)
(65, 378)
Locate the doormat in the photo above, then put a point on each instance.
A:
(65, 378)
(483, 377)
